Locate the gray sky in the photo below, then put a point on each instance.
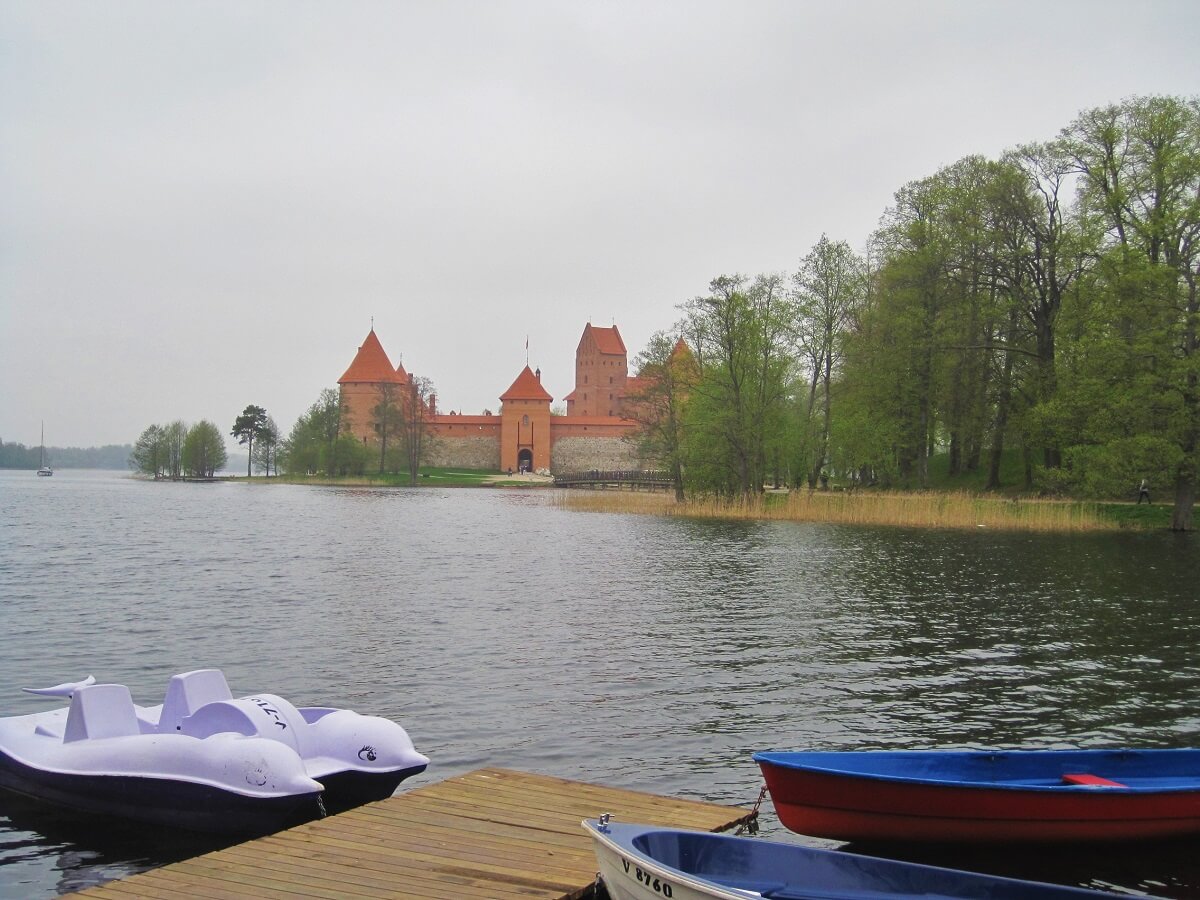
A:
(203, 204)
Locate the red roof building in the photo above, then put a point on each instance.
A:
(601, 370)
(371, 365)
(525, 435)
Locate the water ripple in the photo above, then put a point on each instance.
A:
(646, 653)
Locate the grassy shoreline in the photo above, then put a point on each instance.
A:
(430, 477)
(911, 509)
(926, 509)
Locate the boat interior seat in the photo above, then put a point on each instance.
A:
(189, 691)
(806, 893)
(101, 711)
(263, 715)
(1089, 780)
(755, 885)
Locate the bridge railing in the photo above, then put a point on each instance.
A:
(633, 478)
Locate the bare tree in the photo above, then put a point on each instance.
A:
(412, 422)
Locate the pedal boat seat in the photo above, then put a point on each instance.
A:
(189, 691)
(101, 711)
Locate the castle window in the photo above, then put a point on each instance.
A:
(585, 379)
(524, 420)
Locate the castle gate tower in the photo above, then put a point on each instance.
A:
(525, 424)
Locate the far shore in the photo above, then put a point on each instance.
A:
(466, 478)
(911, 509)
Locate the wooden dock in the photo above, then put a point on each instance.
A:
(492, 834)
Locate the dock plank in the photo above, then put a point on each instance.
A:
(491, 834)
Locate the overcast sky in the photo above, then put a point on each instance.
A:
(203, 204)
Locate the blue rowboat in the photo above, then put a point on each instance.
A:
(986, 796)
(645, 862)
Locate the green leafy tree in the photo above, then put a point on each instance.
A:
(149, 456)
(975, 263)
(247, 428)
(1051, 246)
(667, 373)
(351, 456)
(312, 444)
(204, 450)
(174, 435)
(266, 448)
(873, 416)
(1139, 162)
(738, 333)
(828, 289)
(914, 296)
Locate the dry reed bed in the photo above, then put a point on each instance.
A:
(919, 510)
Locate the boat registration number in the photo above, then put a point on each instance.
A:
(649, 879)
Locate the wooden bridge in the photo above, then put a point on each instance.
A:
(635, 480)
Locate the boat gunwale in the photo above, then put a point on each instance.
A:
(770, 757)
(634, 831)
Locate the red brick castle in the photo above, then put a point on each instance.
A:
(524, 434)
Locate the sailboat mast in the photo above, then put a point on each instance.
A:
(44, 469)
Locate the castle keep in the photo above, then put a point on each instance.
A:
(524, 434)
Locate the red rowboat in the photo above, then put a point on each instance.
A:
(986, 796)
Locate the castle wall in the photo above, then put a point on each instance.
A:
(598, 451)
(472, 442)
(481, 452)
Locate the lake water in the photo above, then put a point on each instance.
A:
(503, 630)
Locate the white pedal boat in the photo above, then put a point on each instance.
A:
(202, 760)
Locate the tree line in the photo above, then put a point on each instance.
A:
(177, 450)
(321, 443)
(18, 456)
(1042, 304)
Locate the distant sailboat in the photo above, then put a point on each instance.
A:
(44, 469)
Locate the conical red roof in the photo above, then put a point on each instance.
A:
(526, 387)
(371, 365)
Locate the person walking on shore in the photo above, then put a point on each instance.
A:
(1143, 492)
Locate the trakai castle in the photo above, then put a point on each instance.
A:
(524, 434)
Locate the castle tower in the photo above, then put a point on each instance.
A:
(525, 424)
(601, 371)
(361, 386)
